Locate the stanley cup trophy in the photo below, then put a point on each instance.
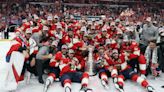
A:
(90, 65)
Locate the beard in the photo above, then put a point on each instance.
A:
(71, 36)
(114, 57)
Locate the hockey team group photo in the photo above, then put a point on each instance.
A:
(81, 45)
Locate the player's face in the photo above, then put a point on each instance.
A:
(117, 23)
(58, 30)
(64, 50)
(112, 27)
(101, 51)
(104, 32)
(85, 38)
(70, 33)
(92, 30)
(28, 35)
(55, 20)
(71, 55)
(115, 55)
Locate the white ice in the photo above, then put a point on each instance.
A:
(94, 83)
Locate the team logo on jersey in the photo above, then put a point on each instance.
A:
(119, 60)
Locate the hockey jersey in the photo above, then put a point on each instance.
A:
(133, 48)
(120, 64)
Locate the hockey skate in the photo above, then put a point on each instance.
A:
(143, 76)
(85, 89)
(119, 88)
(28, 74)
(68, 89)
(46, 85)
(150, 89)
(105, 84)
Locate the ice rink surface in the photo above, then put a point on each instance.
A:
(94, 82)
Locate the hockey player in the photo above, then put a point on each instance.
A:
(58, 33)
(54, 64)
(102, 67)
(68, 36)
(134, 56)
(19, 43)
(125, 71)
(101, 37)
(111, 44)
(31, 61)
(16, 56)
(112, 31)
(70, 74)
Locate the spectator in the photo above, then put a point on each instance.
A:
(151, 55)
(161, 49)
(149, 31)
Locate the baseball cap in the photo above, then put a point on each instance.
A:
(55, 43)
(112, 24)
(49, 17)
(56, 17)
(29, 31)
(64, 47)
